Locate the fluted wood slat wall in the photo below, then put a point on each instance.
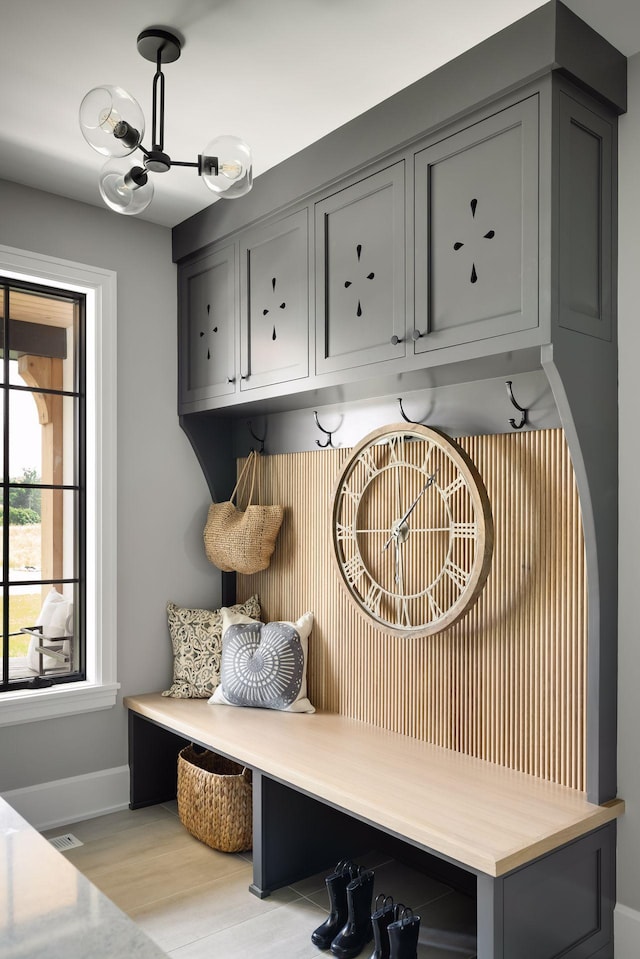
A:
(506, 683)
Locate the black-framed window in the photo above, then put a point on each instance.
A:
(43, 503)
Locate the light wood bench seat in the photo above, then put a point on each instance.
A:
(487, 818)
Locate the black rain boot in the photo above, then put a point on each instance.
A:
(358, 930)
(336, 885)
(384, 914)
(403, 936)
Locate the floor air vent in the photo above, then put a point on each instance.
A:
(68, 841)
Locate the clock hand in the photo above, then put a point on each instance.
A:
(399, 568)
(426, 486)
(398, 491)
(406, 516)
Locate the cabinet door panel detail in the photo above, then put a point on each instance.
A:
(360, 241)
(207, 338)
(275, 308)
(585, 220)
(477, 231)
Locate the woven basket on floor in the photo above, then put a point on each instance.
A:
(214, 800)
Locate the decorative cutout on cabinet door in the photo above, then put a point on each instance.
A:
(280, 306)
(369, 276)
(489, 235)
(208, 332)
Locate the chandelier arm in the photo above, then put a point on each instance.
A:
(184, 163)
(158, 85)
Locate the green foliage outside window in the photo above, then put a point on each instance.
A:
(25, 503)
(20, 517)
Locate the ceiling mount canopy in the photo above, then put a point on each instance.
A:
(112, 123)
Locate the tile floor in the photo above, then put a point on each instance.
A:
(194, 902)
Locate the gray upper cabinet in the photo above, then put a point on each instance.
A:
(477, 241)
(274, 293)
(476, 231)
(208, 320)
(360, 271)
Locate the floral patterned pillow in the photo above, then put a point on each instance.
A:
(196, 638)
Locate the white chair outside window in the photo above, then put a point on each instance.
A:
(52, 635)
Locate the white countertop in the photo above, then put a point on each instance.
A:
(49, 909)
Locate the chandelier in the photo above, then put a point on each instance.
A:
(113, 124)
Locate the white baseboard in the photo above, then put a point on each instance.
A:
(626, 932)
(64, 801)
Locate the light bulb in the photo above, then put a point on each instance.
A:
(226, 166)
(111, 121)
(231, 170)
(125, 188)
(108, 118)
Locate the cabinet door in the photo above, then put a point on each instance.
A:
(208, 321)
(476, 250)
(360, 273)
(274, 285)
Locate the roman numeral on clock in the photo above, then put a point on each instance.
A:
(402, 611)
(349, 495)
(353, 569)
(436, 612)
(396, 449)
(373, 598)
(464, 530)
(343, 533)
(458, 483)
(369, 463)
(458, 576)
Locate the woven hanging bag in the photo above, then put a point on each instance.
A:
(214, 800)
(242, 540)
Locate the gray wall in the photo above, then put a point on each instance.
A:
(162, 496)
(629, 544)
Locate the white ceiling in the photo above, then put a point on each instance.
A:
(278, 73)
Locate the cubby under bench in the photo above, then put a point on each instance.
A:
(538, 858)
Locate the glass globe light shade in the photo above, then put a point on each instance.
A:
(232, 176)
(125, 188)
(111, 121)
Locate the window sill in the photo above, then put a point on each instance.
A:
(31, 705)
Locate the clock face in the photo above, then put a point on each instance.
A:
(412, 530)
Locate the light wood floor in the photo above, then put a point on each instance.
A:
(194, 902)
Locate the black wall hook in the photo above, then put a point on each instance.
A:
(258, 439)
(405, 417)
(521, 409)
(328, 433)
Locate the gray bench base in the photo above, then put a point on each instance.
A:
(559, 905)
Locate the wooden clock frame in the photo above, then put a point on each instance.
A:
(409, 579)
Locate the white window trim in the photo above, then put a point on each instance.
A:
(99, 690)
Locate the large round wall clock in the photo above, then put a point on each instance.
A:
(412, 530)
